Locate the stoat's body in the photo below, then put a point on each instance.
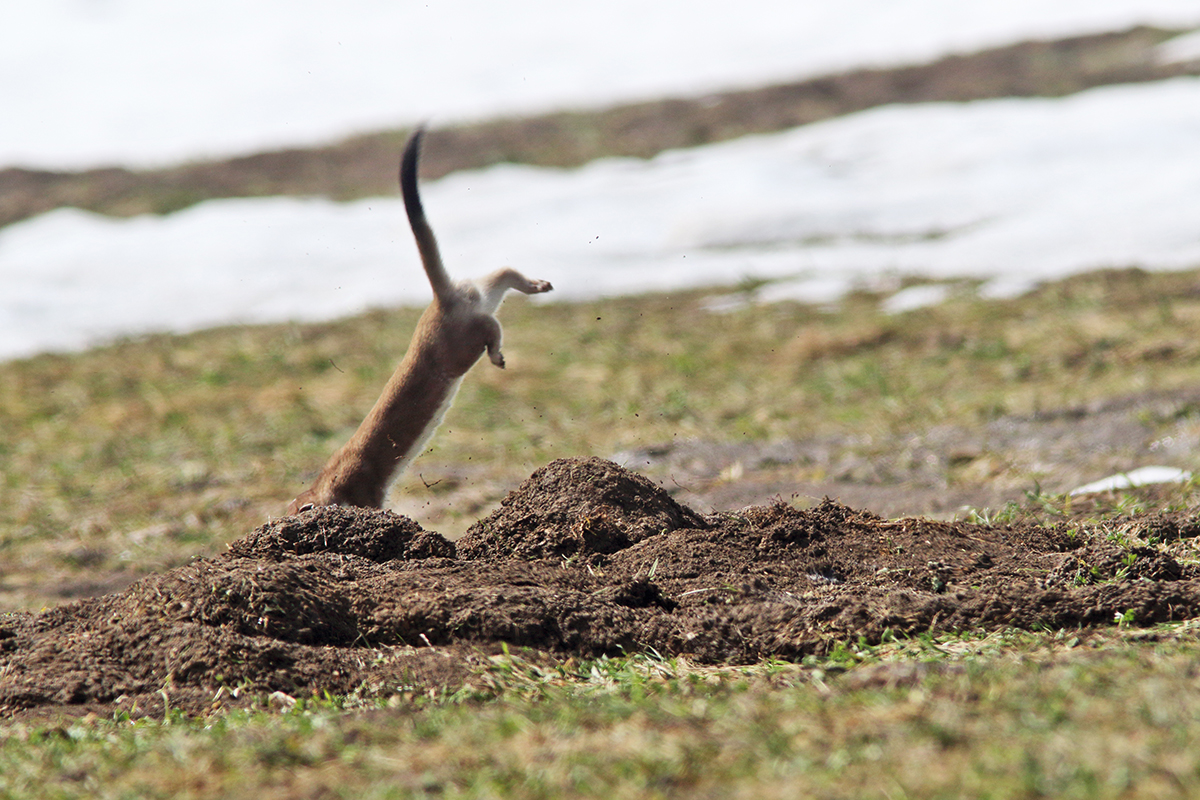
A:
(456, 329)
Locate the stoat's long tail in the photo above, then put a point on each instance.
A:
(431, 257)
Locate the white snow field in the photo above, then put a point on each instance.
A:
(155, 81)
(1010, 191)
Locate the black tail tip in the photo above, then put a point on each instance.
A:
(413, 147)
(414, 138)
(408, 161)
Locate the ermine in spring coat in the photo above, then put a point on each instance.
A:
(452, 334)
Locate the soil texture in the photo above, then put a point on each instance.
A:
(584, 559)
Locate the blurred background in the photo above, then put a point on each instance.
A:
(172, 166)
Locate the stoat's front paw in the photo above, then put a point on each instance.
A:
(541, 286)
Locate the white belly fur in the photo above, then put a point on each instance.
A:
(421, 441)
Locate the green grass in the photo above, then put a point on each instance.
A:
(1007, 715)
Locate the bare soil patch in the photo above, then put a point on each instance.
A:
(584, 559)
(938, 471)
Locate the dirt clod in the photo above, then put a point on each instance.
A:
(337, 529)
(583, 559)
(576, 507)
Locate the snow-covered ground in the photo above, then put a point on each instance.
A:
(1012, 191)
(152, 81)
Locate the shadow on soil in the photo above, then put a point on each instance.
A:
(583, 559)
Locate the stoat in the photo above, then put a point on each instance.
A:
(450, 337)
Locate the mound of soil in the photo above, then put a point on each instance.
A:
(584, 559)
(575, 508)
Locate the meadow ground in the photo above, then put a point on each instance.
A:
(1031, 643)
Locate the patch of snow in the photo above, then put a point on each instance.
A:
(1180, 50)
(1144, 476)
(915, 297)
(811, 289)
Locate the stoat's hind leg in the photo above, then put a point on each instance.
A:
(492, 341)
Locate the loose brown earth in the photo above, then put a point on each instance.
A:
(583, 559)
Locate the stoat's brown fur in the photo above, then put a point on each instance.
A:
(450, 337)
